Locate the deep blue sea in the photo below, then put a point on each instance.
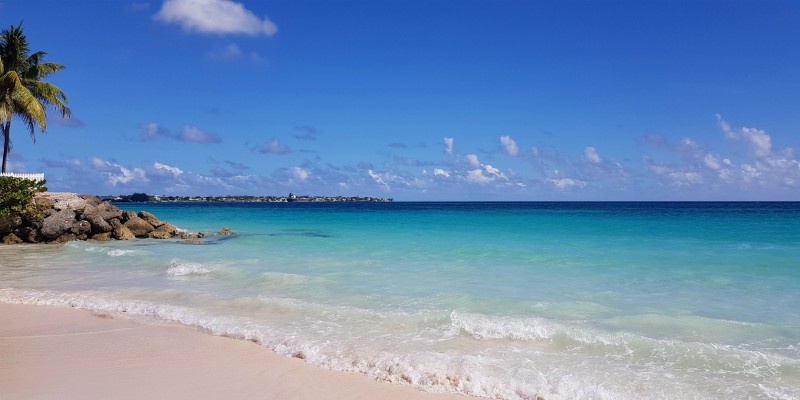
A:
(502, 300)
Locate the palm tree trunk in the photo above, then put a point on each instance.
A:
(6, 142)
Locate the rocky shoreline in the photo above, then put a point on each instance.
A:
(66, 217)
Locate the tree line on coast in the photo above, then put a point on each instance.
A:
(144, 197)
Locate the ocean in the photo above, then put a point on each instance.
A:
(501, 300)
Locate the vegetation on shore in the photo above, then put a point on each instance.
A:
(16, 196)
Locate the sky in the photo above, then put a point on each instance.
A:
(432, 100)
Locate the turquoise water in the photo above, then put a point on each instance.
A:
(503, 300)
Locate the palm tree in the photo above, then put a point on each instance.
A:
(22, 91)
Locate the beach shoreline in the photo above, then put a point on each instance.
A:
(48, 352)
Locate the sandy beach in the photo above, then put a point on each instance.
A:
(57, 353)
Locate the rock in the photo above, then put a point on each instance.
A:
(128, 215)
(108, 211)
(65, 201)
(58, 223)
(91, 200)
(164, 231)
(150, 218)
(42, 201)
(97, 223)
(29, 234)
(81, 228)
(121, 232)
(105, 236)
(186, 235)
(62, 217)
(225, 231)
(67, 237)
(8, 224)
(137, 226)
(11, 239)
(193, 241)
(159, 235)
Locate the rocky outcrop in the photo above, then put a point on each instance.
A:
(225, 231)
(68, 216)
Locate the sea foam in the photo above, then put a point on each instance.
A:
(488, 371)
(180, 268)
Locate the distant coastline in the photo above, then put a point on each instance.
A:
(142, 197)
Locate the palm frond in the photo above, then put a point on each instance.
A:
(15, 48)
(50, 95)
(18, 100)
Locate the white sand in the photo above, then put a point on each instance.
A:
(62, 353)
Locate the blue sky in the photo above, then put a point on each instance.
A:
(420, 100)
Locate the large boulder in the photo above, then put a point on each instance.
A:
(29, 234)
(105, 236)
(165, 231)
(91, 200)
(67, 237)
(139, 227)
(128, 215)
(97, 223)
(225, 232)
(58, 223)
(150, 218)
(107, 211)
(80, 228)
(8, 224)
(11, 239)
(66, 201)
(120, 231)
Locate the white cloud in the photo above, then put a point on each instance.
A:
(749, 172)
(485, 174)
(494, 171)
(441, 172)
(152, 131)
(115, 173)
(509, 145)
(273, 147)
(535, 151)
(477, 176)
(215, 16)
(591, 155)
(726, 128)
(681, 178)
(712, 162)
(675, 176)
(299, 173)
(175, 171)
(195, 135)
(566, 183)
(448, 145)
(377, 179)
(473, 160)
(760, 142)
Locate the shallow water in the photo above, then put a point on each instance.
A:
(507, 300)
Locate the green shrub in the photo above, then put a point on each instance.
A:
(16, 196)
